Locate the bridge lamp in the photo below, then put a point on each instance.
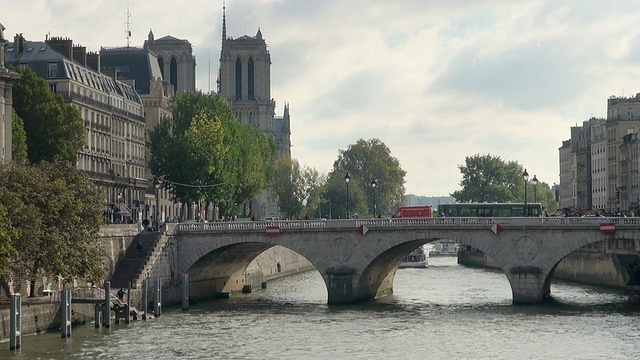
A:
(525, 176)
(347, 177)
(534, 181)
(373, 185)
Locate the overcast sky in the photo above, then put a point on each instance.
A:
(436, 81)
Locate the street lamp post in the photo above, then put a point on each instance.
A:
(157, 214)
(534, 181)
(373, 185)
(525, 177)
(120, 206)
(347, 177)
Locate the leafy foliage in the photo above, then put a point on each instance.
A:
(203, 145)
(54, 212)
(487, 178)
(366, 160)
(53, 128)
(19, 139)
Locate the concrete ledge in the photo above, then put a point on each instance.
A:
(340, 270)
(519, 270)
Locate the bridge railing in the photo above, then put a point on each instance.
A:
(548, 222)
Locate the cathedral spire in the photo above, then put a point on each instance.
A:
(224, 22)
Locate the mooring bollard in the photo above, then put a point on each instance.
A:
(145, 300)
(157, 311)
(97, 310)
(65, 313)
(185, 292)
(127, 318)
(106, 318)
(15, 327)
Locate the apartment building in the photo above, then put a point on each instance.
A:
(599, 165)
(7, 78)
(113, 113)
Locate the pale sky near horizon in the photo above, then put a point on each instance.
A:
(436, 81)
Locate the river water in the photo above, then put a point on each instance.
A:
(446, 311)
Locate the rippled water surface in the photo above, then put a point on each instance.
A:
(446, 311)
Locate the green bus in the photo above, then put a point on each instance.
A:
(489, 210)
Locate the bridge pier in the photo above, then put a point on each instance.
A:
(341, 285)
(529, 285)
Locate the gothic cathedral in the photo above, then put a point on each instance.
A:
(244, 80)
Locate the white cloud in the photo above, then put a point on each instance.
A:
(436, 81)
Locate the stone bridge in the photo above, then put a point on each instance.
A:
(358, 259)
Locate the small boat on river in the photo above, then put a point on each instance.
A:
(416, 259)
(444, 249)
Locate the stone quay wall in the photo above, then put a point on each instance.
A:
(43, 313)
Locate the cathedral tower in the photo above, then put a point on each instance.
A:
(244, 80)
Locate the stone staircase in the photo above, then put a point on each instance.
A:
(136, 262)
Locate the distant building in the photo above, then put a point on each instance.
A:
(565, 192)
(600, 164)
(245, 81)
(6, 101)
(175, 60)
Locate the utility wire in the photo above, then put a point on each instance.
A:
(191, 186)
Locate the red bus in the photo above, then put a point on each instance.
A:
(414, 211)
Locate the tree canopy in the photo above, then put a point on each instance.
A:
(53, 215)
(54, 129)
(18, 139)
(203, 152)
(303, 191)
(367, 160)
(487, 178)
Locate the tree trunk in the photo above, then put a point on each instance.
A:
(32, 288)
(4, 284)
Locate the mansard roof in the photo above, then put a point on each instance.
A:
(132, 63)
(38, 55)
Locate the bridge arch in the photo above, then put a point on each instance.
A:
(358, 259)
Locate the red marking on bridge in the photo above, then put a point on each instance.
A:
(496, 228)
(363, 229)
(273, 230)
(607, 228)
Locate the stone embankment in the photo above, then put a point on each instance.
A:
(42, 312)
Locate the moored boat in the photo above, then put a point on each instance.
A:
(416, 259)
(444, 249)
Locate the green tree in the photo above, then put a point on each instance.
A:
(53, 128)
(336, 191)
(287, 187)
(366, 160)
(253, 159)
(203, 153)
(19, 139)
(58, 211)
(487, 178)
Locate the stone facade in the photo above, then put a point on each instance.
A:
(175, 59)
(6, 110)
(114, 152)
